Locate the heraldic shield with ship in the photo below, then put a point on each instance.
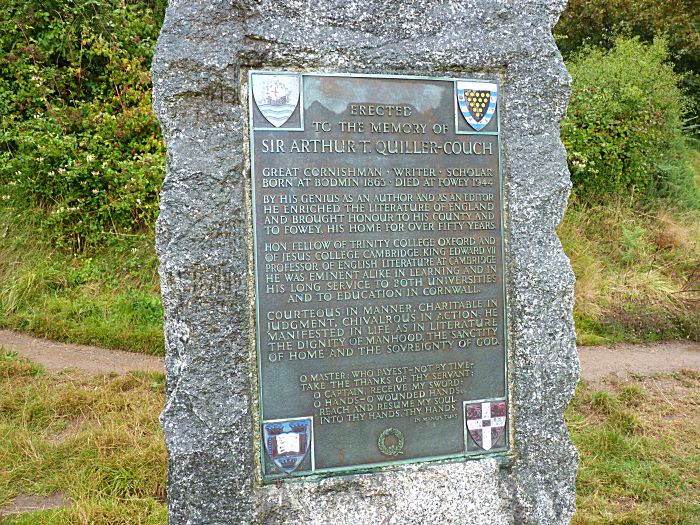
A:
(276, 96)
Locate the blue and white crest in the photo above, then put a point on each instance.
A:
(277, 96)
(477, 102)
(287, 442)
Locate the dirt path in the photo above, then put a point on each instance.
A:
(90, 359)
(597, 362)
(30, 503)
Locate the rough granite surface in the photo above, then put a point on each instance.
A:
(204, 242)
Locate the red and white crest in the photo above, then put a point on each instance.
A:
(486, 422)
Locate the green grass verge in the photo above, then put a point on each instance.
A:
(96, 439)
(107, 297)
(638, 445)
(637, 272)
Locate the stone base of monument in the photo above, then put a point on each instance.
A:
(368, 313)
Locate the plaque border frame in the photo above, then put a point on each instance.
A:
(319, 474)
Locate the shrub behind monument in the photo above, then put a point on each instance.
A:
(623, 131)
(599, 22)
(78, 138)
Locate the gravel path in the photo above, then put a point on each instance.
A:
(597, 362)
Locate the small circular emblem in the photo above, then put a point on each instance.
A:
(391, 442)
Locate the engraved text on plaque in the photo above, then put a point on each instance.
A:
(378, 269)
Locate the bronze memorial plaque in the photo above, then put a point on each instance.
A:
(379, 274)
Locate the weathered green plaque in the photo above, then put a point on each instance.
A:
(378, 270)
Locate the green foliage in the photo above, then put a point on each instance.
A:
(604, 402)
(632, 395)
(623, 131)
(12, 366)
(636, 271)
(142, 308)
(599, 22)
(631, 244)
(78, 137)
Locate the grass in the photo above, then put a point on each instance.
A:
(637, 272)
(639, 446)
(96, 439)
(107, 297)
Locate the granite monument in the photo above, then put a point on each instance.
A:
(368, 313)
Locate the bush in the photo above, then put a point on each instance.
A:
(78, 137)
(599, 22)
(623, 131)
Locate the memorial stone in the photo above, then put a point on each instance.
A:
(368, 313)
